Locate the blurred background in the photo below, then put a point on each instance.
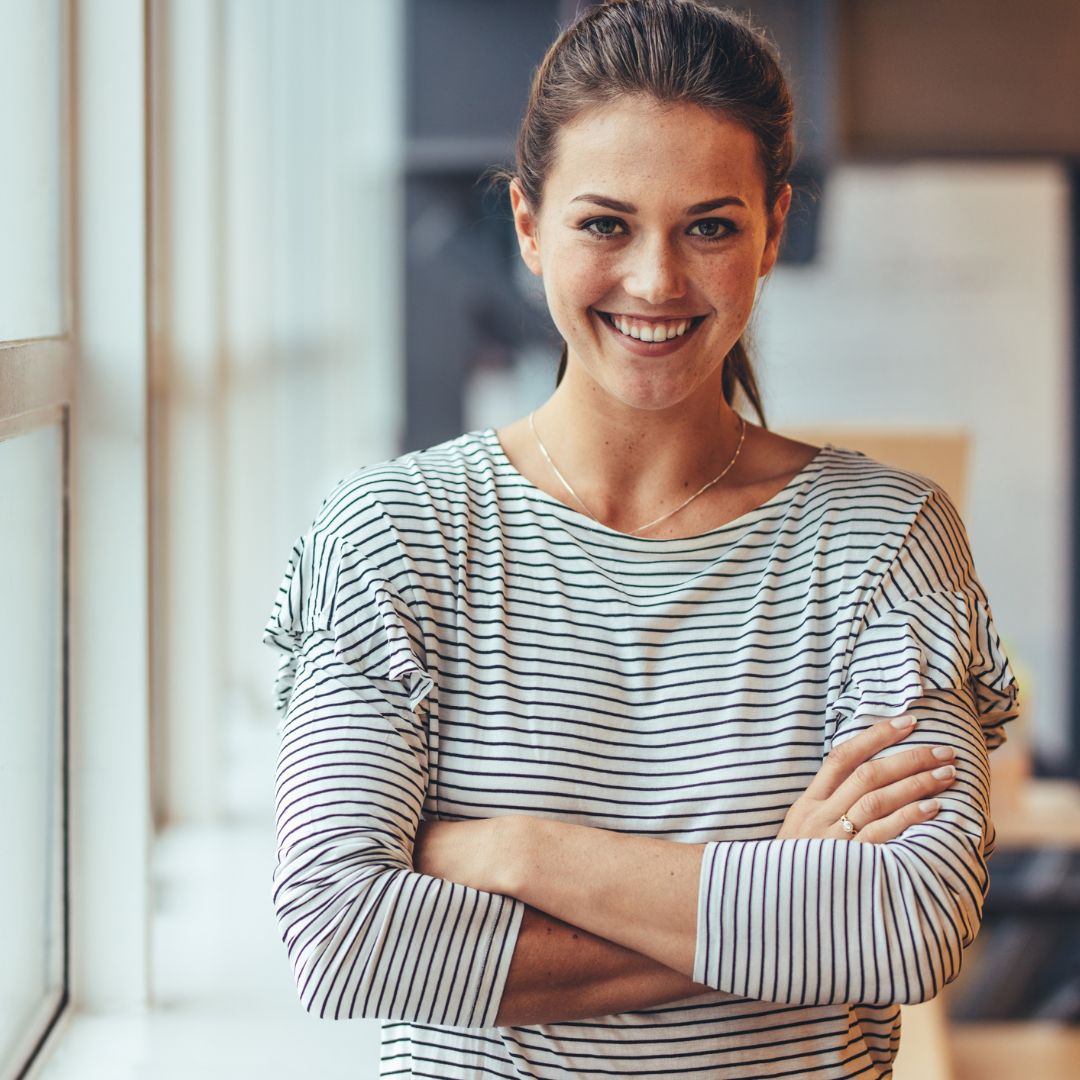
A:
(246, 247)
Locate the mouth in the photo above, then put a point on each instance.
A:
(651, 330)
(650, 337)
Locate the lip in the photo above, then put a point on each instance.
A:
(650, 348)
(649, 318)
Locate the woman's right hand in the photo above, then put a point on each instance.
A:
(881, 798)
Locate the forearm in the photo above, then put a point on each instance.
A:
(560, 972)
(639, 892)
(806, 919)
(858, 922)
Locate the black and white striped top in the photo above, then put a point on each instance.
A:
(458, 644)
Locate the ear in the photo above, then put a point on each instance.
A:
(525, 225)
(776, 230)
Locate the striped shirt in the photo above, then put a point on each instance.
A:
(456, 643)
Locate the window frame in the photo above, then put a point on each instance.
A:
(36, 381)
(92, 381)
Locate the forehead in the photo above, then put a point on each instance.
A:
(638, 147)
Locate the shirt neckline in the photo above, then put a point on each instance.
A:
(575, 517)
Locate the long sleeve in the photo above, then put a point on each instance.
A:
(835, 921)
(365, 934)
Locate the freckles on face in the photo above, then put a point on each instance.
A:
(654, 214)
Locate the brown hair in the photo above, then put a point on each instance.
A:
(674, 51)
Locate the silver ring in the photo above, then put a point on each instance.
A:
(847, 825)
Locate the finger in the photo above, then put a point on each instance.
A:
(845, 758)
(873, 776)
(879, 804)
(889, 828)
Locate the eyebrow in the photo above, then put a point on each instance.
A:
(626, 208)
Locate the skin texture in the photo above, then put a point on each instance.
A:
(636, 435)
(560, 972)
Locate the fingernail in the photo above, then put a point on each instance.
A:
(929, 806)
(944, 772)
(903, 721)
(943, 753)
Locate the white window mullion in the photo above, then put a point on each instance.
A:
(108, 589)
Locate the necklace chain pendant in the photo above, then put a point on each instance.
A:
(656, 521)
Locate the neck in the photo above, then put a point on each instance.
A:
(629, 465)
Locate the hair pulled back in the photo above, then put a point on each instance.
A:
(674, 51)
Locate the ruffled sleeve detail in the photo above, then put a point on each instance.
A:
(330, 586)
(941, 640)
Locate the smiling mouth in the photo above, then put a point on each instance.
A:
(651, 330)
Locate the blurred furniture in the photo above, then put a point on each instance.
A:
(1007, 1051)
(925, 1050)
(1038, 813)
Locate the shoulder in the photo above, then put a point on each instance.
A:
(414, 493)
(865, 487)
(881, 515)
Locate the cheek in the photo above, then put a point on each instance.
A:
(736, 288)
(574, 284)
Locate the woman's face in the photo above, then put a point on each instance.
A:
(650, 240)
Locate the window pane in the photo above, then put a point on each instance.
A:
(31, 275)
(31, 712)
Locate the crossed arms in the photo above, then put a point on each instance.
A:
(605, 922)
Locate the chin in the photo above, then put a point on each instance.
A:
(653, 397)
(653, 385)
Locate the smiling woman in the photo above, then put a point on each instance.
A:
(620, 287)
(564, 793)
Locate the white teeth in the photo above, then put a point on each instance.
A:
(644, 331)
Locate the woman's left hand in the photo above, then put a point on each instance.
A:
(881, 797)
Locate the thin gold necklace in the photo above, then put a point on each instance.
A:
(663, 517)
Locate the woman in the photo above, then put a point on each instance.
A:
(635, 739)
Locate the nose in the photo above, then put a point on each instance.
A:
(654, 271)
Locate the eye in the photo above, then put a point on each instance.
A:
(714, 228)
(603, 228)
